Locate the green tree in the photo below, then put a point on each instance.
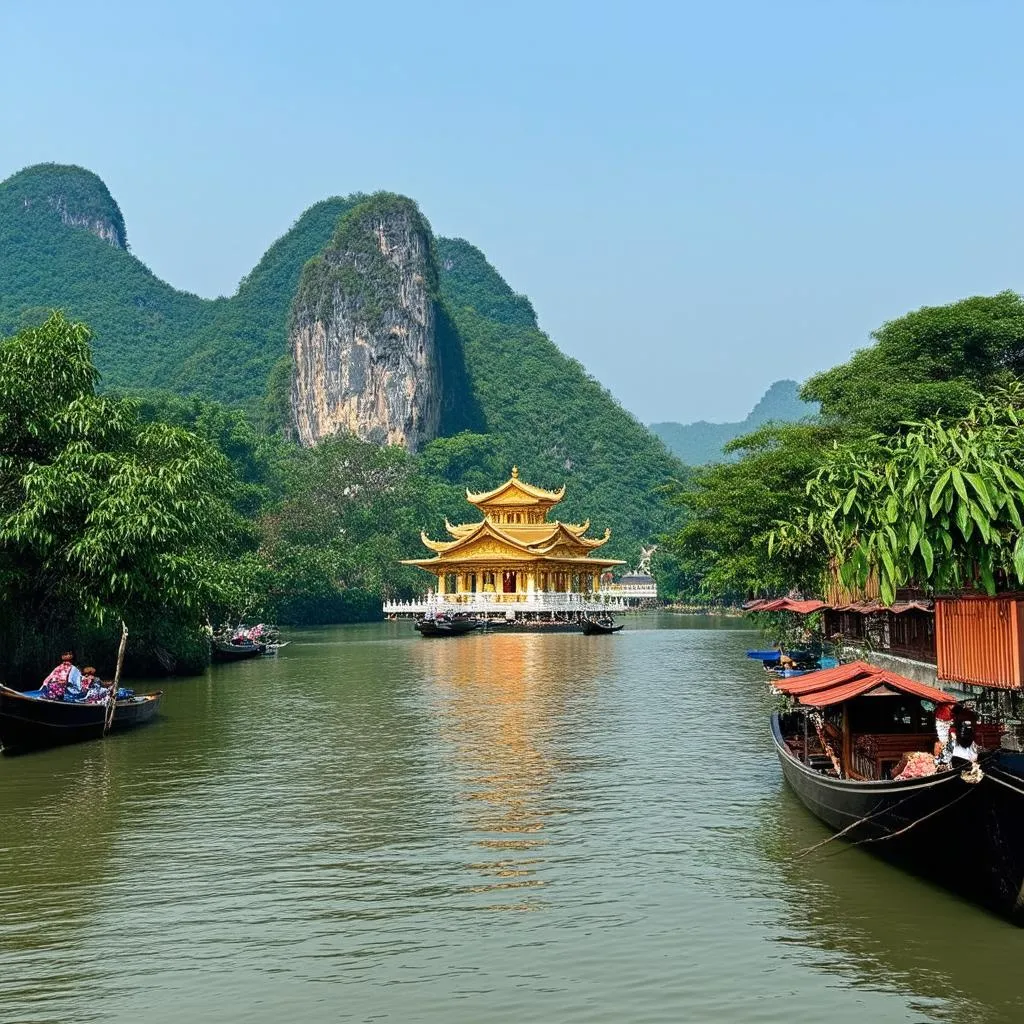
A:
(102, 516)
(928, 363)
(937, 505)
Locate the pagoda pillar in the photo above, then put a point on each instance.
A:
(440, 584)
(531, 582)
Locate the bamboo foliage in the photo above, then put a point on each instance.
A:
(939, 505)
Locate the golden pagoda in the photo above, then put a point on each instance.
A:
(515, 552)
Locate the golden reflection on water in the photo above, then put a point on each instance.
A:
(503, 703)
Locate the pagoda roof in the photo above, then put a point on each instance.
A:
(531, 542)
(515, 492)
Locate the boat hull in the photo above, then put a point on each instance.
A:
(235, 652)
(967, 837)
(448, 627)
(30, 723)
(592, 628)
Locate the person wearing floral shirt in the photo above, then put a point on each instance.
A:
(64, 680)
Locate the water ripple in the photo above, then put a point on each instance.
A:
(373, 827)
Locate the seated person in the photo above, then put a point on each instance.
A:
(964, 750)
(785, 661)
(95, 690)
(943, 722)
(64, 678)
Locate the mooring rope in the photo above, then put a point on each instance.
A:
(1003, 782)
(931, 814)
(976, 775)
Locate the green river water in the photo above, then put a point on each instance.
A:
(375, 827)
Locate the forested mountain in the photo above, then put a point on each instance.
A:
(702, 442)
(63, 245)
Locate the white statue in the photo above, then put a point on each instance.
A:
(644, 566)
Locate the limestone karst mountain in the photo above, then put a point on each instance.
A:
(421, 337)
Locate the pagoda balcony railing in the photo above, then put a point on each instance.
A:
(502, 604)
(643, 591)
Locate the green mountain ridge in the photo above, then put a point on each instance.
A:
(699, 443)
(539, 408)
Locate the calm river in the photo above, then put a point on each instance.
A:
(376, 827)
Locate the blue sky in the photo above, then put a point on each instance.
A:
(698, 198)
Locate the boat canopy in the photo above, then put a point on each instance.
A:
(858, 679)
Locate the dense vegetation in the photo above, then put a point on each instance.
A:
(173, 513)
(910, 473)
(936, 504)
(103, 516)
(697, 444)
(506, 382)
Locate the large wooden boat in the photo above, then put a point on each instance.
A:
(446, 625)
(221, 650)
(29, 722)
(839, 748)
(600, 627)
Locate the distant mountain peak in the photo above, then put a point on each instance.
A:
(702, 442)
(77, 196)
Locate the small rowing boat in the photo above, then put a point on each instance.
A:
(235, 650)
(600, 627)
(30, 722)
(445, 625)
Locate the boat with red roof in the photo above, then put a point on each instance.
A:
(857, 745)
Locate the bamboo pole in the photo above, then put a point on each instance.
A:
(112, 699)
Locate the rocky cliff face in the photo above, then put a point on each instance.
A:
(363, 339)
(102, 227)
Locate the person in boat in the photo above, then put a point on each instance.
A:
(943, 722)
(964, 751)
(95, 689)
(64, 681)
(785, 661)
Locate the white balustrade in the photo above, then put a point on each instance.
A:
(502, 604)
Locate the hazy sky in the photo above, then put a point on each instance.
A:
(698, 198)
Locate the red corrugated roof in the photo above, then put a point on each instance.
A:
(803, 607)
(835, 685)
(784, 604)
(824, 678)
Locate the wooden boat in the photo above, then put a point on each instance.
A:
(963, 831)
(599, 627)
(30, 722)
(221, 650)
(445, 625)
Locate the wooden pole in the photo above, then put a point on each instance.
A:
(112, 699)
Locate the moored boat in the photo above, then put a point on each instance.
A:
(30, 722)
(599, 627)
(844, 751)
(221, 650)
(445, 625)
